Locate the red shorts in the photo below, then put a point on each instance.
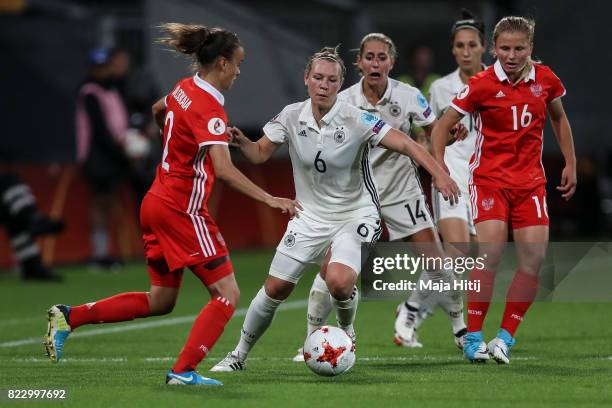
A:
(177, 239)
(209, 273)
(517, 207)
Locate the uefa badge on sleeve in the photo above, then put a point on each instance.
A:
(463, 92)
(216, 126)
(422, 101)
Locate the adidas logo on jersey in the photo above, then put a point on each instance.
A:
(302, 133)
(500, 94)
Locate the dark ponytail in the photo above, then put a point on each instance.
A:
(468, 21)
(204, 44)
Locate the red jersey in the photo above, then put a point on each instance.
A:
(194, 120)
(510, 123)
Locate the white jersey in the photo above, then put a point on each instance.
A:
(331, 166)
(457, 155)
(400, 107)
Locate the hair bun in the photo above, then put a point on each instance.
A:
(466, 14)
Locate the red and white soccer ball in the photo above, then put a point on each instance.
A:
(329, 351)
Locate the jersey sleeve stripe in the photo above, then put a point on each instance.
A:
(458, 109)
(212, 142)
(430, 119)
(381, 134)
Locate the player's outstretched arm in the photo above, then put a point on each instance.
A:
(440, 132)
(563, 133)
(402, 143)
(226, 171)
(457, 132)
(159, 112)
(255, 152)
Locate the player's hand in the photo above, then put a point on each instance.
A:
(447, 186)
(443, 165)
(459, 131)
(568, 182)
(286, 206)
(236, 137)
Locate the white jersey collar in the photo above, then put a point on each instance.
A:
(501, 74)
(206, 86)
(383, 100)
(457, 73)
(307, 117)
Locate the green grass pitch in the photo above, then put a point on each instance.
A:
(563, 356)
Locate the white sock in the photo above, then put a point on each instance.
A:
(346, 311)
(319, 305)
(452, 303)
(258, 318)
(426, 301)
(419, 295)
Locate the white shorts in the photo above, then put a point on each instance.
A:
(443, 209)
(307, 241)
(408, 217)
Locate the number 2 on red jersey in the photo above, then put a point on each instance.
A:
(169, 121)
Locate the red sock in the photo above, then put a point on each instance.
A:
(206, 329)
(118, 308)
(478, 301)
(521, 293)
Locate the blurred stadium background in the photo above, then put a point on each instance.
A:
(44, 44)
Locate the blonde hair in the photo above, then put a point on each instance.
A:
(204, 44)
(378, 37)
(516, 24)
(328, 54)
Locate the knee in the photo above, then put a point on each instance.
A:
(340, 287)
(230, 292)
(530, 268)
(531, 259)
(491, 259)
(278, 289)
(233, 296)
(159, 305)
(457, 249)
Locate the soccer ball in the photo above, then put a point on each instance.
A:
(329, 351)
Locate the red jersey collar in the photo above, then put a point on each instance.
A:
(501, 74)
(206, 86)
